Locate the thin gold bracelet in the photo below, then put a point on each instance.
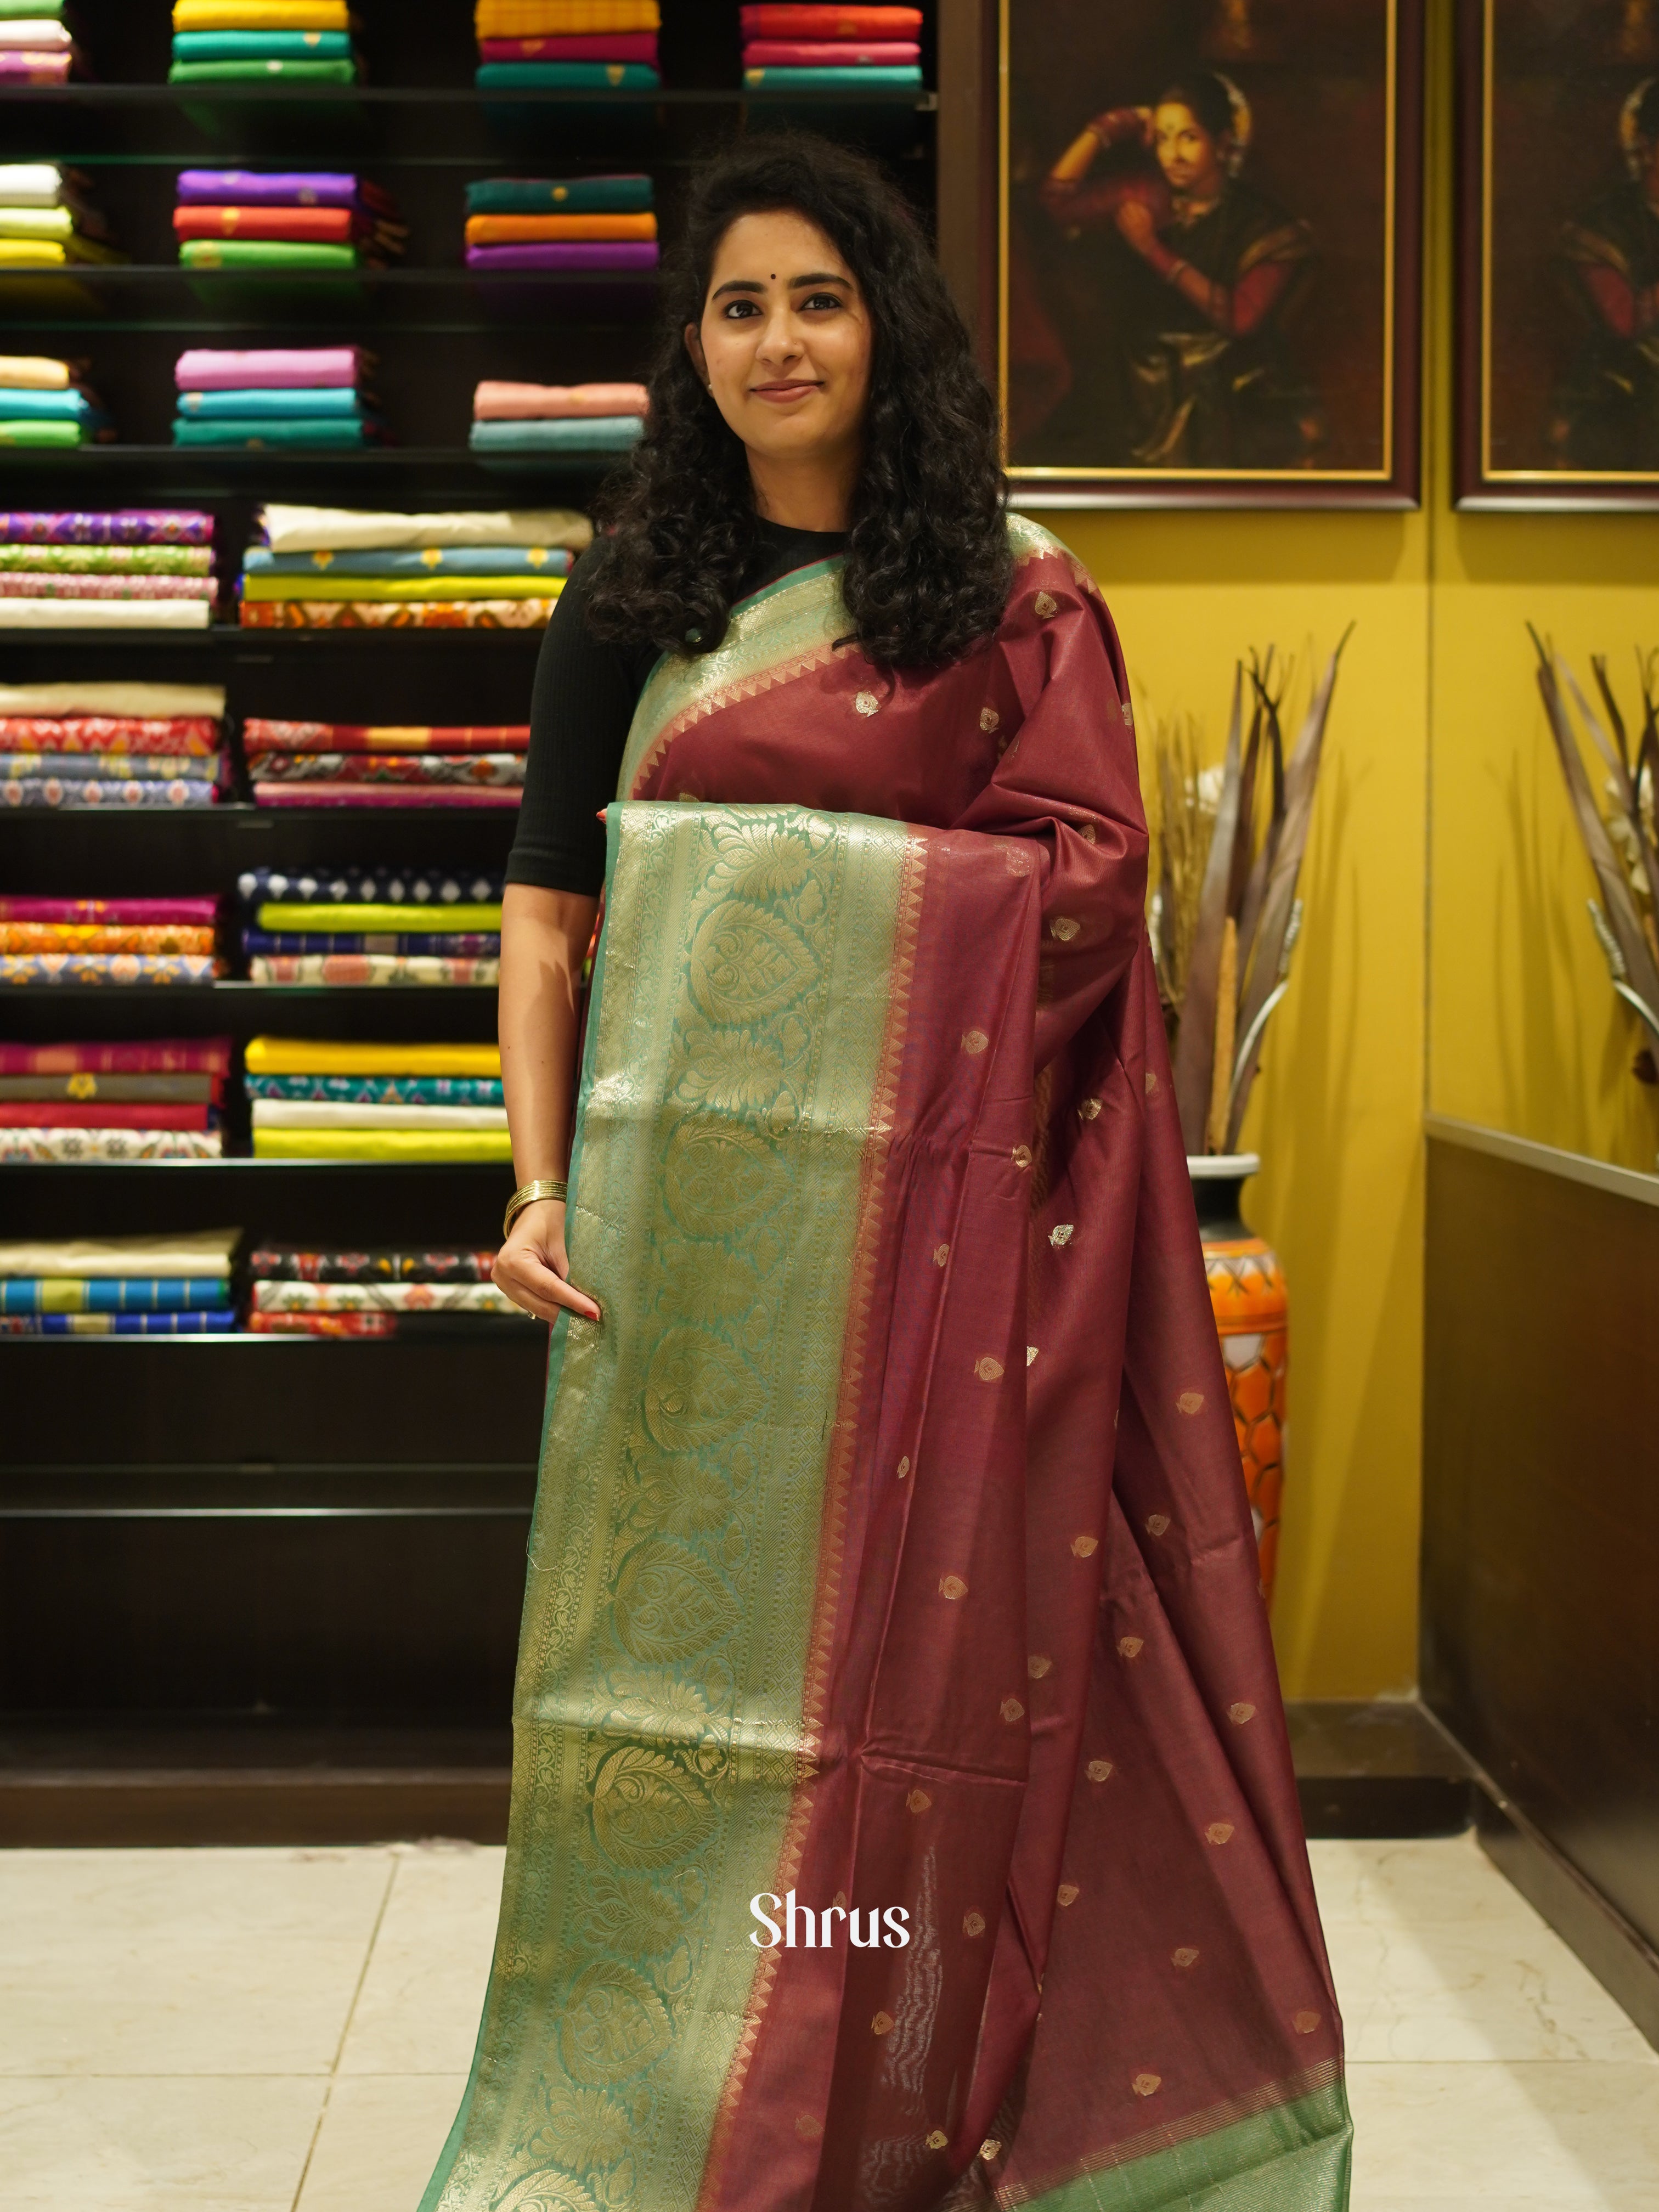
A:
(531, 1194)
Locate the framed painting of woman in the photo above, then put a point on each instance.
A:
(1558, 281)
(1209, 252)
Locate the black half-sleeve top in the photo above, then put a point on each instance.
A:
(586, 689)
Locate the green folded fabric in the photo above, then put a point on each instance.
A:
(261, 45)
(567, 77)
(563, 434)
(559, 196)
(263, 253)
(279, 71)
(247, 403)
(258, 434)
(831, 80)
(31, 11)
(40, 434)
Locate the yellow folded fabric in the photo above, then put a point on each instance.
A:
(405, 921)
(281, 1055)
(445, 1145)
(561, 19)
(36, 223)
(52, 253)
(26, 371)
(260, 15)
(261, 585)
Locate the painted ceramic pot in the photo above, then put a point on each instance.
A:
(1252, 1315)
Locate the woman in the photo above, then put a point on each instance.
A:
(1607, 411)
(891, 1648)
(1198, 272)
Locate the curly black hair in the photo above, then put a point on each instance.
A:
(928, 567)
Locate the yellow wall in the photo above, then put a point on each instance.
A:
(1446, 956)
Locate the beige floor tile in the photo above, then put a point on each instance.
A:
(1568, 2136)
(1423, 1879)
(379, 2143)
(213, 2144)
(418, 2011)
(181, 1962)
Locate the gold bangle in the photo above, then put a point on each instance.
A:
(532, 1194)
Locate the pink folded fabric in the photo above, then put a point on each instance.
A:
(143, 912)
(204, 368)
(30, 67)
(515, 403)
(15, 585)
(381, 794)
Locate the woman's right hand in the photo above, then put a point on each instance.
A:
(533, 1267)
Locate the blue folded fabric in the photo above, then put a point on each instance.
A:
(429, 561)
(213, 1322)
(28, 1294)
(21, 406)
(104, 768)
(568, 77)
(562, 434)
(261, 45)
(248, 404)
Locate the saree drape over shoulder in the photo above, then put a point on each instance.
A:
(891, 1545)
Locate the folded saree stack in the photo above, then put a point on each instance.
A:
(299, 221)
(568, 45)
(827, 49)
(283, 396)
(76, 1103)
(173, 1284)
(135, 941)
(291, 41)
(110, 744)
(561, 223)
(43, 402)
(320, 1100)
(443, 1290)
(47, 220)
(556, 418)
(36, 45)
(339, 568)
(351, 764)
(74, 570)
(372, 926)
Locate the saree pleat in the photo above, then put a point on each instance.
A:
(891, 1547)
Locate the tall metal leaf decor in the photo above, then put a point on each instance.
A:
(1248, 914)
(1621, 845)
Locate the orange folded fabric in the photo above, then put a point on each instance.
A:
(539, 229)
(770, 19)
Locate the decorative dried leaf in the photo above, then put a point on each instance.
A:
(1196, 1042)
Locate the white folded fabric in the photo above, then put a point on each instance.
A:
(381, 1297)
(104, 614)
(173, 1252)
(34, 34)
(347, 529)
(31, 184)
(141, 700)
(330, 1114)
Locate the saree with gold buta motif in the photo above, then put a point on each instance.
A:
(891, 1547)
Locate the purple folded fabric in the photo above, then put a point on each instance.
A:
(131, 525)
(255, 188)
(206, 369)
(586, 255)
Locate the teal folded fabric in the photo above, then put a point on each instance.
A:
(428, 561)
(261, 45)
(332, 402)
(831, 80)
(280, 72)
(629, 195)
(567, 77)
(258, 433)
(45, 406)
(563, 434)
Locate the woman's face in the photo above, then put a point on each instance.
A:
(1187, 153)
(784, 343)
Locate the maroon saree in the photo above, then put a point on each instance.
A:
(891, 1547)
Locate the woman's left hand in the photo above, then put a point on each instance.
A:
(1134, 221)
